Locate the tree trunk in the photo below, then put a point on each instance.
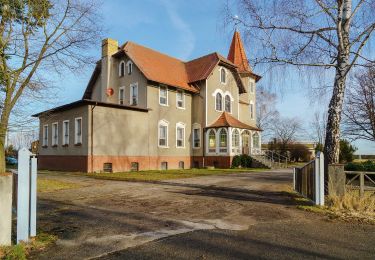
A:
(3, 130)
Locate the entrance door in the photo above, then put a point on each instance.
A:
(246, 142)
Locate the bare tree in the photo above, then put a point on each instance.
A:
(266, 110)
(318, 127)
(286, 130)
(359, 111)
(39, 38)
(326, 34)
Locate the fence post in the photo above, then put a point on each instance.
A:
(23, 195)
(33, 189)
(361, 184)
(6, 191)
(294, 178)
(319, 179)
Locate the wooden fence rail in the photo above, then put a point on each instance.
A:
(362, 181)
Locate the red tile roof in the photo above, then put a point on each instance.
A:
(168, 70)
(226, 120)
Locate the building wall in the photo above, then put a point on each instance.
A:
(71, 149)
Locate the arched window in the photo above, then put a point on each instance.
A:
(130, 67)
(236, 141)
(211, 141)
(219, 102)
(255, 140)
(163, 133)
(223, 144)
(223, 76)
(228, 104)
(121, 69)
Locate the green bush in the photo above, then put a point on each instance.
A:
(367, 166)
(242, 160)
(346, 151)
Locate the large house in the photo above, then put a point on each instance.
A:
(143, 110)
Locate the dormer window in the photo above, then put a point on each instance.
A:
(130, 67)
(121, 69)
(223, 76)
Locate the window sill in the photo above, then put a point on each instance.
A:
(163, 146)
(65, 145)
(182, 108)
(196, 148)
(54, 146)
(163, 105)
(78, 144)
(180, 147)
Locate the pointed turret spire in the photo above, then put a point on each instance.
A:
(237, 53)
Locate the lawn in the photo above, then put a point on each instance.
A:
(167, 174)
(48, 185)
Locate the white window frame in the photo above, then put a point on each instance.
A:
(166, 124)
(65, 133)
(45, 135)
(183, 99)
(131, 94)
(119, 95)
(221, 110)
(77, 139)
(251, 87)
(181, 126)
(251, 108)
(121, 73)
(208, 142)
(166, 88)
(129, 67)
(55, 134)
(218, 135)
(230, 104)
(225, 79)
(197, 127)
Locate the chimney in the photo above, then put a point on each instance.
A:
(109, 47)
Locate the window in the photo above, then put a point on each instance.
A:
(223, 76)
(251, 86)
(196, 137)
(164, 165)
(219, 102)
(235, 141)
(78, 131)
(163, 95)
(66, 132)
(134, 94)
(180, 99)
(121, 95)
(130, 67)
(121, 69)
(45, 135)
(163, 134)
(223, 141)
(251, 110)
(134, 167)
(228, 104)
(180, 135)
(107, 167)
(55, 134)
(212, 141)
(256, 140)
(181, 165)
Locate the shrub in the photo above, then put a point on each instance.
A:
(236, 162)
(368, 166)
(299, 152)
(242, 160)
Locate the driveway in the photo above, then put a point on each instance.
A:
(246, 215)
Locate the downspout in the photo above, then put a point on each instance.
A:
(92, 137)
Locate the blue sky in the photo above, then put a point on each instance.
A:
(186, 30)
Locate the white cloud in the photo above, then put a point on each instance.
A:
(186, 36)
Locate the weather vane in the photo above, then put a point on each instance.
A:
(236, 21)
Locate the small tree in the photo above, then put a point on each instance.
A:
(285, 131)
(266, 110)
(38, 38)
(299, 152)
(346, 151)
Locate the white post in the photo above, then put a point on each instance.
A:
(319, 179)
(33, 189)
(6, 190)
(294, 178)
(23, 195)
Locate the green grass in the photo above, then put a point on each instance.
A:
(48, 185)
(166, 174)
(22, 250)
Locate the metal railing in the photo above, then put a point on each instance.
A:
(273, 158)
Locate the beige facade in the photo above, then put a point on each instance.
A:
(130, 120)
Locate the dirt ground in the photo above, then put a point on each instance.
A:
(226, 216)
